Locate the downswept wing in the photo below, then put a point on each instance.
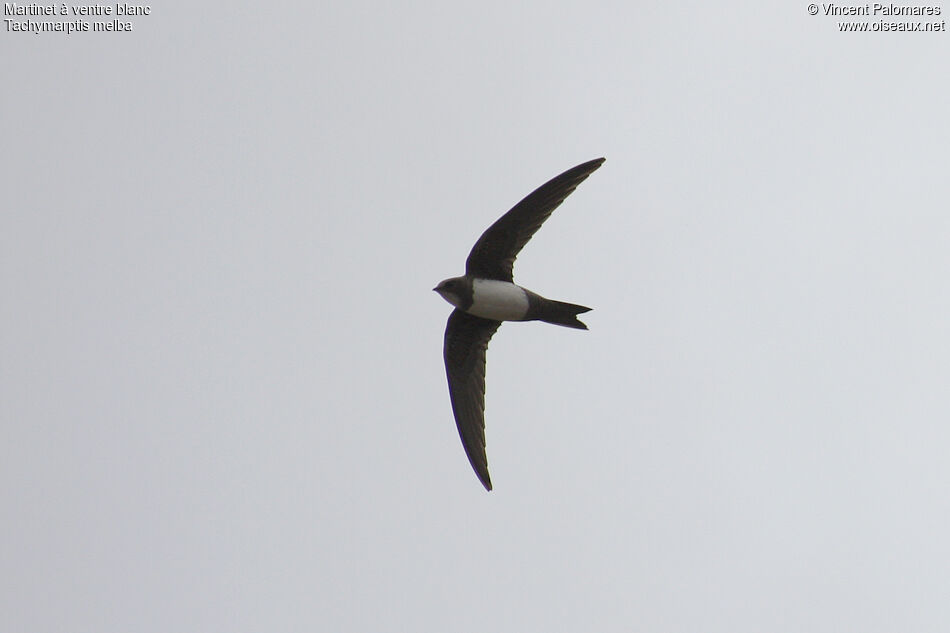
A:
(466, 340)
(494, 253)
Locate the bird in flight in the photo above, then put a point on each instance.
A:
(486, 295)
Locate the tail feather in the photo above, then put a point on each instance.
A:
(562, 313)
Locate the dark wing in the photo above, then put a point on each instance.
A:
(466, 339)
(494, 253)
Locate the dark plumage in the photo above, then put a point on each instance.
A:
(486, 295)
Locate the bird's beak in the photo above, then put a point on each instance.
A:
(436, 289)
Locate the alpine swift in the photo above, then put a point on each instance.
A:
(486, 295)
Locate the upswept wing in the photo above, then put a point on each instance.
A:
(494, 253)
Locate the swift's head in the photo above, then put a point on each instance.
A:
(454, 290)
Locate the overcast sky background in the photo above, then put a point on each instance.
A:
(223, 401)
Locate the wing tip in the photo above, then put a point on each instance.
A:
(580, 172)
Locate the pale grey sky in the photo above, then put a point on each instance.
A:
(222, 400)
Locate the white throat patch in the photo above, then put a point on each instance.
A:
(498, 300)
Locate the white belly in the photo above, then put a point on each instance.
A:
(498, 300)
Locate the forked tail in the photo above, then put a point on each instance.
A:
(561, 313)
